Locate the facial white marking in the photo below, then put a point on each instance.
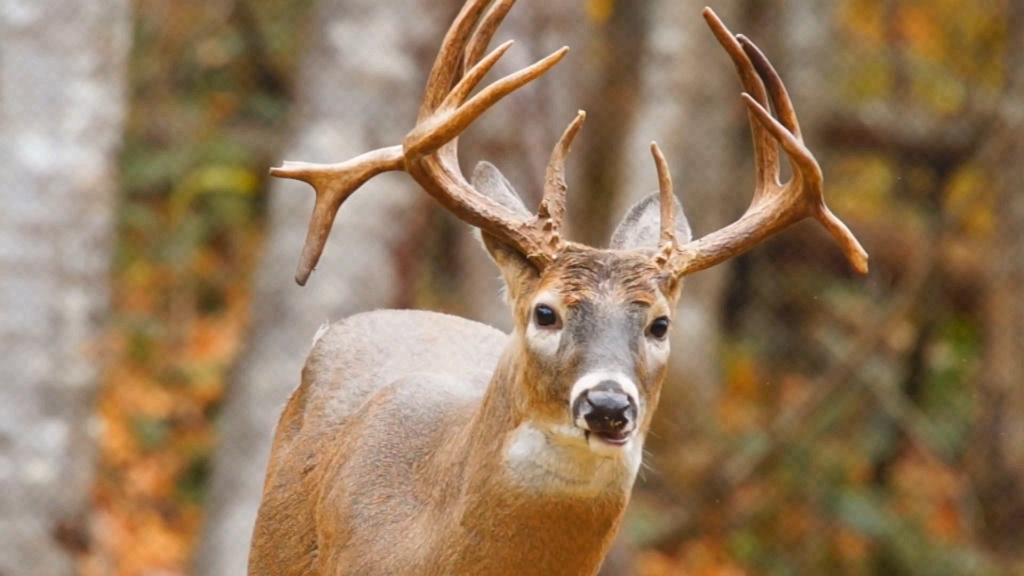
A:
(560, 458)
(542, 341)
(527, 442)
(634, 455)
(658, 350)
(592, 379)
(632, 449)
(657, 353)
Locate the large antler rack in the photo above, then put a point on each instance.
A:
(775, 206)
(429, 152)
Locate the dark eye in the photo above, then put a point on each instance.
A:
(659, 328)
(545, 316)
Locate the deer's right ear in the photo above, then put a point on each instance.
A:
(490, 182)
(640, 230)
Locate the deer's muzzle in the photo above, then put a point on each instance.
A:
(607, 410)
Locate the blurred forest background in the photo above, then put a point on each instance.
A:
(815, 422)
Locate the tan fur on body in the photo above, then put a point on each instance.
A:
(408, 368)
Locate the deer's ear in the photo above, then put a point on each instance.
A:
(490, 182)
(640, 230)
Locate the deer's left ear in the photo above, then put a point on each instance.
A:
(640, 230)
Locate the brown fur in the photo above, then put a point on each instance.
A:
(582, 273)
(388, 458)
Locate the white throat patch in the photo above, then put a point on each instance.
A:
(553, 458)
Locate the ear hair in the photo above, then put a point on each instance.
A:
(640, 229)
(490, 182)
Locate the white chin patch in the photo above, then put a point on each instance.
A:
(560, 458)
(608, 449)
(631, 452)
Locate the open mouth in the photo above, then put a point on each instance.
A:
(611, 438)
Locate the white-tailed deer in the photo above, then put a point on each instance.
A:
(424, 444)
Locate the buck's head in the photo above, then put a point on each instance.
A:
(591, 326)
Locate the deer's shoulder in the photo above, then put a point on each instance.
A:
(354, 359)
(399, 342)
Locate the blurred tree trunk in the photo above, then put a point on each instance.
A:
(804, 33)
(998, 461)
(612, 79)
(689, 103)
(62, 101)
(359, 89)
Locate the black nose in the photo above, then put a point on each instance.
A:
(605, 408)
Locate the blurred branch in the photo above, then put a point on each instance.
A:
(908, 132)
(996, 460)
(264, 71)
(791, 425)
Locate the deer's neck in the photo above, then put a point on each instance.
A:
(532, 493)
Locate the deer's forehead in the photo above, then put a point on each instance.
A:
(604, 277)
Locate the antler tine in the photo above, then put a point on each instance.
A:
(787, 130)
(431, 159)
(807, 177)
(333, 185)
(766, 154)
(446, 66)
(473, 77)
(435, 132)
(667, 244)
(552, 206)
(775, 206)
(429, 151)
(485, 32)
(776, 88)
(804, 165)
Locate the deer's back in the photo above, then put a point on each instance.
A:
(366, 352)
(352, 369)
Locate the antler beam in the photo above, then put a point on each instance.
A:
(774, 206)
(429, 152)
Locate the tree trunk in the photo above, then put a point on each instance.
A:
(360, 88)
(998, 461)
(689, 103)
(612, 79)
(62, 96)
(805, 34)
(1002, 396)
